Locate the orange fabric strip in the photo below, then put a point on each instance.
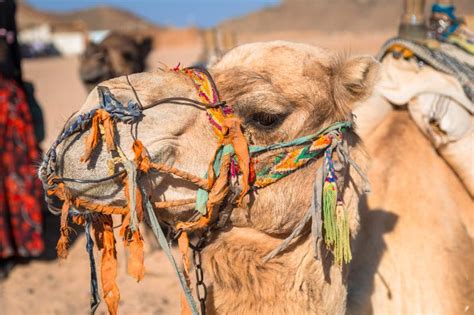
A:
(239, 143)
(63, 242)
(101, 117)
(141, 157)
(216, 197)
(136, 266)
(109, 266)
(211, 176)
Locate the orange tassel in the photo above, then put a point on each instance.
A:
(109, 267)
(124, 230)
(63, 242)
(78, 219)
(100, 117)
(134, 240)
(109, 129)
(136, 266)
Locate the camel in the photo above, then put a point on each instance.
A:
(420, 211)
(118, 54)
(404, 239)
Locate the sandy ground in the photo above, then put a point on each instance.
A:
(50, 286)
(47, 286)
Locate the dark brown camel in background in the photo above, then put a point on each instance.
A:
(118, 54)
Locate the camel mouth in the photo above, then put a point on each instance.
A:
(95, 75)
(172, 215)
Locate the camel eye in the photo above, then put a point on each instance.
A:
(264, 120)
(127, 56)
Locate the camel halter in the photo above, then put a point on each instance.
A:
(216, 196)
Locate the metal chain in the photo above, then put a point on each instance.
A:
(201, 289)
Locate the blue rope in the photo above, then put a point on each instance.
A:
(95, 297)
(129, 114)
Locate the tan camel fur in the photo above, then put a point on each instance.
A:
(411, 234)
(414, 253)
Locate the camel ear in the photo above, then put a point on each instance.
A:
(354, 79)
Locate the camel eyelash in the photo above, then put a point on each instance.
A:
(265, 120)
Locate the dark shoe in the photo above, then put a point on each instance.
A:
(6, 265)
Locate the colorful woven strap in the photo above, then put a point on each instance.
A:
(287, 162)
(208, 94)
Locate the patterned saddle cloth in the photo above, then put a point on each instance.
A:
(435, 81)
(444, 57)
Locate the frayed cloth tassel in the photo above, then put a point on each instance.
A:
(329, 213)
(343, 249)
(110, 289)
(63, 242)
(135, 266)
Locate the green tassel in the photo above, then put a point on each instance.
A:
(336, 225)
(329, 213)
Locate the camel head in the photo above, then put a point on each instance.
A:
(282, 91)
(279, 91)
(117, 55)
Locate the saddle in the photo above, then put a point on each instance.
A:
(435, 81)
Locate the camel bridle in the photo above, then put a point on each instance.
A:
(230, 176)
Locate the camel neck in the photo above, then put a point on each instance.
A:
(293, 283)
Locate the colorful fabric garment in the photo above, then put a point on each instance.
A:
(20, 190)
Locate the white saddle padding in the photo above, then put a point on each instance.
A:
(402, 79)
(440, 108)
(450, 129)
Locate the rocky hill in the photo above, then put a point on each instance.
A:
(94, 18)
(328, 16)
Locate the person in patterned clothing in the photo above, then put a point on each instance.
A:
(20, 189)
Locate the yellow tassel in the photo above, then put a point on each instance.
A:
(343, 243)
(336, 225)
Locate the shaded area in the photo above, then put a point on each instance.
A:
(368, 251)
(51, 235)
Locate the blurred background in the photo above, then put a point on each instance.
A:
(64, 43)
(180, 33)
